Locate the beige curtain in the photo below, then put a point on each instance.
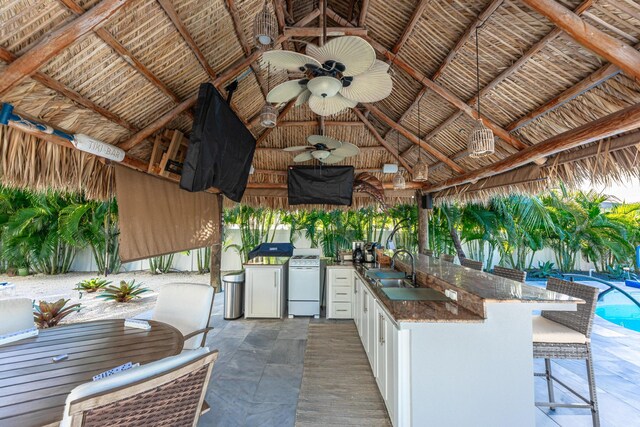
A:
(157, 217)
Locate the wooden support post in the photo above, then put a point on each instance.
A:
(155, 154)
(423, 225)
(176, 140)
(216, 249)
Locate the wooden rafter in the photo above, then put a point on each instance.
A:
(55, 42)
(246, 47)
(614, 124)
(278, 6)
(364, 9)
(375, 148)
(415, 17)
(414, 139)
(615, 51)
(291, 32)
(308, 123)
(382, 141)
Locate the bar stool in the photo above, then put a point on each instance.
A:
(510, 273)
(428, 252)
(566, 335)
(446, 257)
(470, 263)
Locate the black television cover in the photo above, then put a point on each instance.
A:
(220, 149)
(328, 185)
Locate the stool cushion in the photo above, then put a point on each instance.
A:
(545, 330)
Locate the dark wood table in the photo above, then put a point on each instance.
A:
(33, 388)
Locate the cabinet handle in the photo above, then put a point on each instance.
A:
(355, 287)
(341, 278)
(341, 293)
(341, 309)
(364, 302)
(381, 329)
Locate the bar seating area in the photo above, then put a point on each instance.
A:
(351, 213)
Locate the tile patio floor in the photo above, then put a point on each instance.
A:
(256, 380)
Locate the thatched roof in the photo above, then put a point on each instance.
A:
(125, 71)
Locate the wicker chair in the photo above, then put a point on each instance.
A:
(446, 257)
(510, 273)
(16, 314)
(566, 335)
(428, 252)
(470, 263)
(169, 392)
(186, 306)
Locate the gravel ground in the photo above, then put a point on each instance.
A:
(51, 288)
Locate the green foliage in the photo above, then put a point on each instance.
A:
(124, 292)
(49, 314)
(620, 272)
(544, 270)
(92, 285)
(203, 257)
(161, 264)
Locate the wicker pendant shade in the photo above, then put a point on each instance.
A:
(481, 140)
(265, 28)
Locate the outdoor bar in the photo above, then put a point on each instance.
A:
(319, 213)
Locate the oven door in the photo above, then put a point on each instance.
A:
(304, 283)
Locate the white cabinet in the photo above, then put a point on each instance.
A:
(386, 360)
(364, 319)
(357, 309)
(372, 332)
(264, 292)
(340, 293)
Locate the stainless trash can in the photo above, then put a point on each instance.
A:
(233, 295)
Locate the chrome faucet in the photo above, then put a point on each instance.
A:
(413, 263)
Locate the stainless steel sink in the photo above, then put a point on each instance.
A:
(384, 273)
(394, 283)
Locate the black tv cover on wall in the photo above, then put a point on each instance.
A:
(220, 149)
(327, 185)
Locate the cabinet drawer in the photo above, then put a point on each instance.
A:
(341, 293)
(342, 277)
(341, 310)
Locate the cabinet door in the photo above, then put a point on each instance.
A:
(356, 302)
(391, 349)
(372, 333)
(364, 320)
(263, 292)
(381, 353)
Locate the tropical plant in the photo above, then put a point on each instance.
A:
(161, 264)
(620, 272)
(257, 225)
(91, 285)
(124, 292)
(544, 270)
(49, 314)
(203, 258)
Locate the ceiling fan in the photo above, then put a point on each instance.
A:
(338, 75)
(324, 149)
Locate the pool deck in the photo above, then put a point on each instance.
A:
(257, 379)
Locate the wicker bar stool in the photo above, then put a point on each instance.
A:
(510, 273)
(470, 263)
(566, 335)
(446, 257)
(428, 252)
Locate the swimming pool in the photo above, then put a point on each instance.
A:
(618, 309)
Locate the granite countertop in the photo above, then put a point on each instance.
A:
(267, 260)
(486, 286)
(419, 311)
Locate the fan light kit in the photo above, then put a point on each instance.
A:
(481, 141)
(338, 75)
(265, 28)
(324, 149)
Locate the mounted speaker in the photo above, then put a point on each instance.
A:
(427, 201)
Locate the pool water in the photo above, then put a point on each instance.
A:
(618, 309)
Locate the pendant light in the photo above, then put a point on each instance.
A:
(481, 141)
(398, 179)
(421, 169)
(268, 114)
(265, 28)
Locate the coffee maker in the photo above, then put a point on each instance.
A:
(370, 252)
(358, 252)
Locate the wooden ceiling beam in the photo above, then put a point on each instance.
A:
(292, 32)
(375, 148)
(613, 124)
(56, 41)
(415, 17)
(468, 33)
(307, 123)
(283, 185)
(364, 9)
(382, 141)
(615, 51)
(413, 138)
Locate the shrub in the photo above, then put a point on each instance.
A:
(49, 314)
(125, 292)
(91, 285)
(620, 272)
(544, 270)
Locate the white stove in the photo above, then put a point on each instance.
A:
(304, 283)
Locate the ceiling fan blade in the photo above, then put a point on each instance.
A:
(297, 148)
(303, 98)
(287, 60)
(346, 150)
(373, 85)
(285, 92)
(326, 140)
(353, 52)
(303, 157)
(332, 159)
(329, 106)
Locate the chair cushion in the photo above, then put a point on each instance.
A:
(545, 330)
(16, 314)
(127, 377)
(185, 306)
